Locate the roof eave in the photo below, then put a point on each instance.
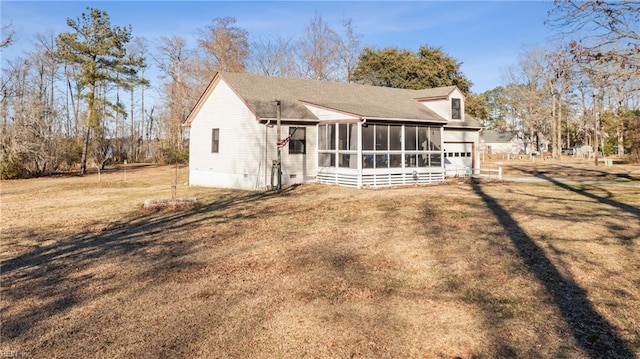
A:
(434, 98)
(330, 108)
(288, 120)
(196, 108)
(395, 119)
(464, 127)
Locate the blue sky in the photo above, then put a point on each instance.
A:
(486, 36)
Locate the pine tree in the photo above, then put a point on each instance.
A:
(99, 50)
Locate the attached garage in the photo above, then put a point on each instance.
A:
(458, 158)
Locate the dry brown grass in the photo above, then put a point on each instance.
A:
(469, 270)
(575, 169)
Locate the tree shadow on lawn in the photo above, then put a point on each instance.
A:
(594, 192)
(50, 278)
(575, 173)
(585, 192)
(574, 211)
(591, 331)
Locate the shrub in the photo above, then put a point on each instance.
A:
(14, 167)
(174, 155)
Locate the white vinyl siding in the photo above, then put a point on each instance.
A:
(512, 147)
(443, 107)
(296, 167)
(240, 160)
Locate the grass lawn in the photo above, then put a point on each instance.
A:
(461, 270)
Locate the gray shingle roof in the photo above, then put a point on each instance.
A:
(434, 92)
(469, 122)
(259, 93)
(360, 100)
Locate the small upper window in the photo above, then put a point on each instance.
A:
(297, 140)
(456, 111)
(215, 140)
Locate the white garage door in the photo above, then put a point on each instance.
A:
(458, 158)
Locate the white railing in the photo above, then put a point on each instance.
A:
(379, 178)
(488, 173)
(456, 170)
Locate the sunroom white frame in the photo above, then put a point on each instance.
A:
(331, 172)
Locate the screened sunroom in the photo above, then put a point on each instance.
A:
(378, 154)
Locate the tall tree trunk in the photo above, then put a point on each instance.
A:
(132, 135)
(142, 127)
(620, 136)
(68, 108)
(568, 134)
(149, 130)
(559, 124)
(117, 153)
(554, 127)
(90, 123)
(85, 148)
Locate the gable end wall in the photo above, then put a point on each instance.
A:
(443, 107)
(240, 161)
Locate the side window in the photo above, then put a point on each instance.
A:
(297, 140)
(215, 140)
(456, 113)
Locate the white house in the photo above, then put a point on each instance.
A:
(501, 143)
(336, 133)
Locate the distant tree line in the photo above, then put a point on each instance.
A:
(80, 99)
(581, 90)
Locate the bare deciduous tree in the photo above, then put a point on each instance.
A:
(349, 48)
(603, 31)
(182, 86)
(527, 94)
(7, 35)
(273, 57)
(558, 74)
(225, 44)
(322, 53)
(139, 48)
(31, 143)
(319, 51)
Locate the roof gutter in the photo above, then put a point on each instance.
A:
(403, 120)
(432, 98)
(478, 128)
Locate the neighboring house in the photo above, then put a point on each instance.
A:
(501, 143)
(335, 133)
(584, 151)
(536, 144)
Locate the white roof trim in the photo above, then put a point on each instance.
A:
(403, 119)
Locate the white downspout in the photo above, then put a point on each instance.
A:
(359, 162)
(442, 159)
(266, 152)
